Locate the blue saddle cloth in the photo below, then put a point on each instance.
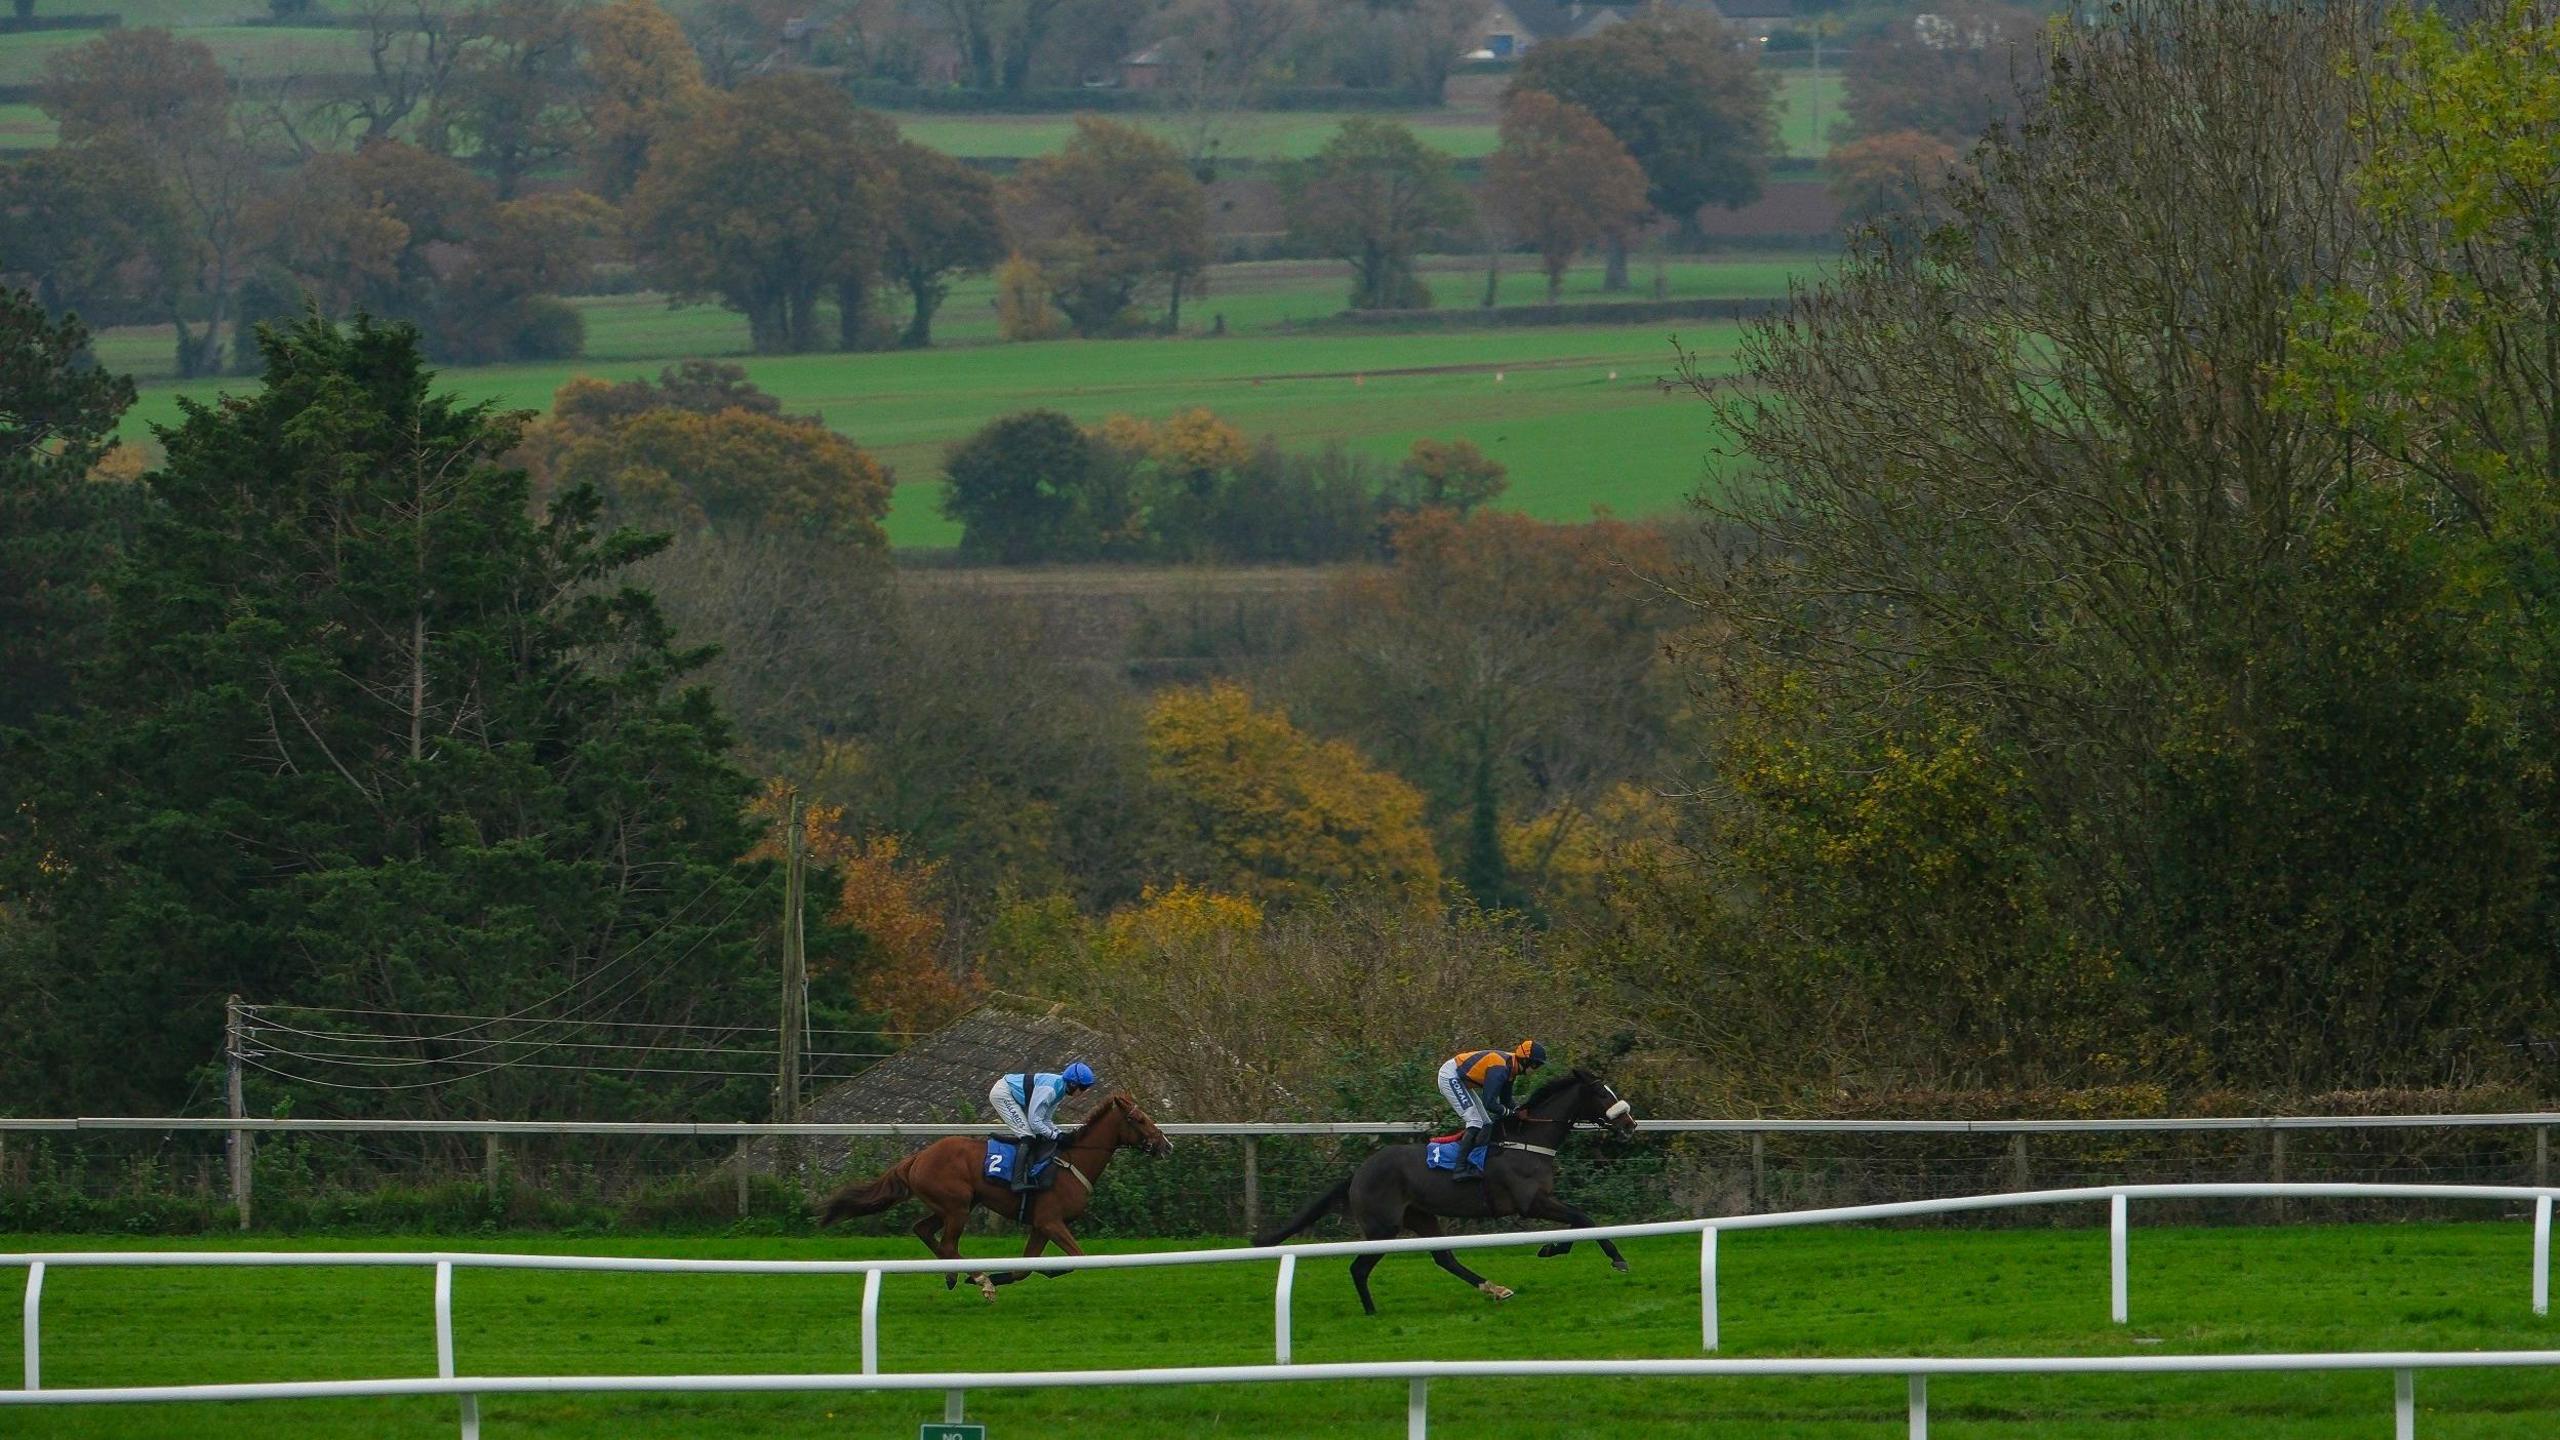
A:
(1442, 1154)
(1001, 1156)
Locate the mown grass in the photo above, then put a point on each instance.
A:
(1814, 1292)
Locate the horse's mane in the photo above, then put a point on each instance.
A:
(1101, 1108)
(1569, 1080)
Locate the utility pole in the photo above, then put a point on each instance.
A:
(234, 1044)
(795, 984)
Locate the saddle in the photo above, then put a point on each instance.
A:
(1003, 1155)
(1441, 1152)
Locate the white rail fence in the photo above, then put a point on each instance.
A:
(1418, 1373)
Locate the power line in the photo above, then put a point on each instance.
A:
(510, 1063)
(398, 1062)
(616, 1024)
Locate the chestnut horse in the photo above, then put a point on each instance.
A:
(949, 1175)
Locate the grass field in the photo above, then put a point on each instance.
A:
(248, 51)
(1578, 413)
(1813, 1292)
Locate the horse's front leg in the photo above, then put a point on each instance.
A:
(1053, 1229)
(1421, 1223)
(1548, 1207)
(1039, 1242)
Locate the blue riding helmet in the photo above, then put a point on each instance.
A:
(1078, 1075)
(1531, 1054)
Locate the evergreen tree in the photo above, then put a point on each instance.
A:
(366, 733)
(58, 415)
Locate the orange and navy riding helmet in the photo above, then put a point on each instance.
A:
(1530, 1054)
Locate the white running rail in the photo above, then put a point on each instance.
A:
(1419, 1373)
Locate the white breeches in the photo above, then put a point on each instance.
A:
(1461, 1096)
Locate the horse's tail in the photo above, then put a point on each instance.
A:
(1314, 1211)
(868, 1197)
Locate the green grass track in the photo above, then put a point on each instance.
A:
(1810, 1292)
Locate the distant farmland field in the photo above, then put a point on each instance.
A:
(1578, 413)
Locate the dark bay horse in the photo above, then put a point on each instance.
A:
(949, 1176)
(1393, 1191)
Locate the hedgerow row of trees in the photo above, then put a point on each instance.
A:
(496, 157)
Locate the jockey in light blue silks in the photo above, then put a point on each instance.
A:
(1026, 1102)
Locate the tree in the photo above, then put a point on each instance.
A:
(413, 50)
(641, 81)
(1563, 181)
(1683, 94)
(997, 40)
(509, 96)
(1948, 73)
(1113, 210)
(1022, 489)
(1426, 38)
(731, 472)
(1890, 179)
(146, 85)
(1448, 475)
(767, 203)
(91, 227)
(478, 786)
(143, 93)
(946, 224)
(501, 302)
(1271, 812)
(372, 229)
(1504, 664)
(58, 529)
(1372, 196)
(2240, 718)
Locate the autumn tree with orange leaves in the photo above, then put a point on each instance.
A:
(1268, 811)
(1563, 181)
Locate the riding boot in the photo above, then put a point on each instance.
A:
(1026, 1162)
(1468, 1169)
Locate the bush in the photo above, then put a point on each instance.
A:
(548, 328)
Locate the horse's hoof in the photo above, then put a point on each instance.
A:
(1549, 1252)
(1498, 1292)
(950, 1282)
(1618, 1265)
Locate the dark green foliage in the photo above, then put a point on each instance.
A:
(1024, 488)
(1681, 94)
(58, 529)
(364, 730)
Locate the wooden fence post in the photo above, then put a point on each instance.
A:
(1759, 1171)
(2018, 1161)
(1252, 1184)
(233, 1042)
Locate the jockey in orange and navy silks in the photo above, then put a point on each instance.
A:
(1477, 1084)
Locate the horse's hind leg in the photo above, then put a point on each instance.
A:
(926, 1227)
(1548, 1207)
(952, 1222)
(1421, 1223)
(1361, 1265)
